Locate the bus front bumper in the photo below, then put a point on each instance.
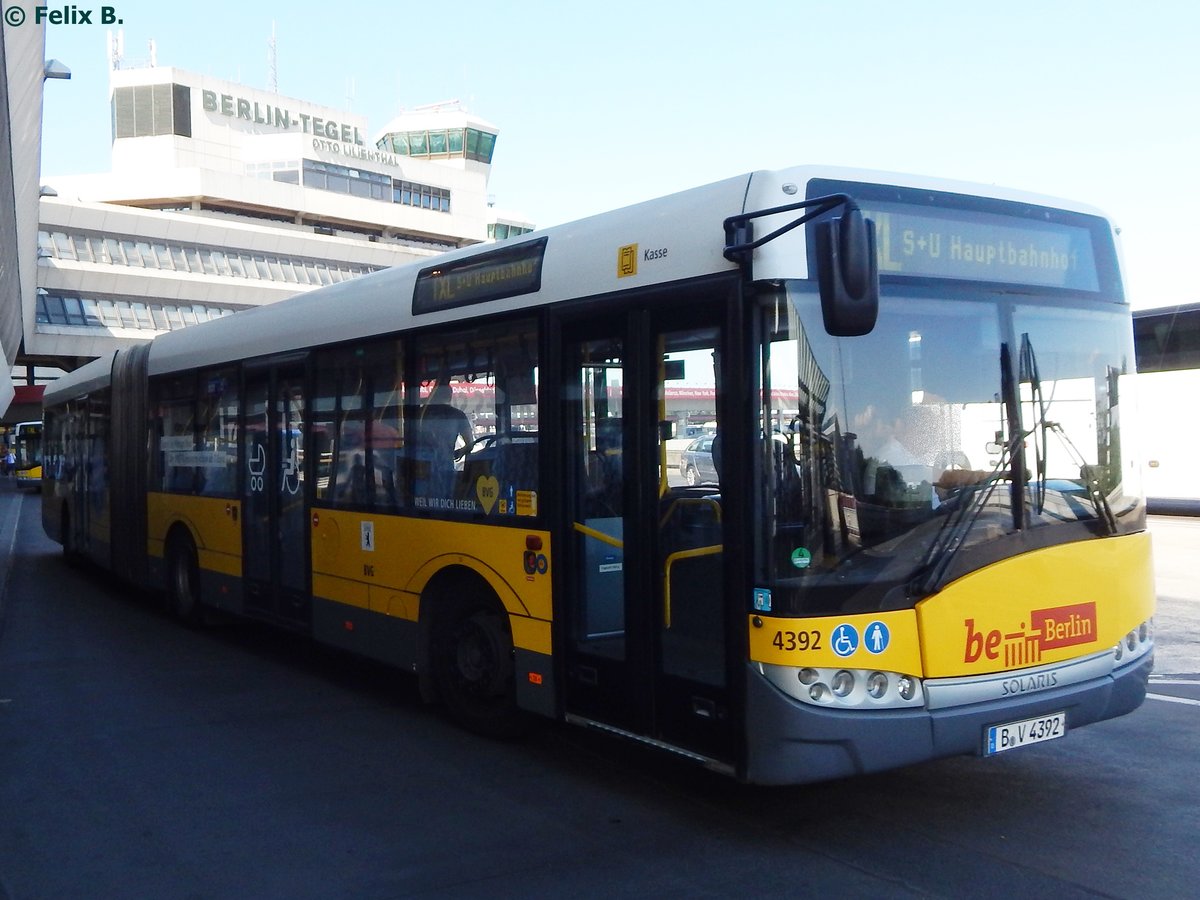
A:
(789, 742)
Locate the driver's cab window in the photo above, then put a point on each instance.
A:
(471, 422)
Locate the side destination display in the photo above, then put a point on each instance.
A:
(507, 272)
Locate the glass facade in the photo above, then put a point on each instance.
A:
(408, 193)
(197, 259)
(469, 143)
(501, 231)
(345, 180)
(68, 308)
(356, 182)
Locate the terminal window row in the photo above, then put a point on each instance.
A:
(355, 182)
(95, 312)
(450, 142)
(197, 259)
(500, 231)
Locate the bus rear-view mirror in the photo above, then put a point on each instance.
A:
(848, 274)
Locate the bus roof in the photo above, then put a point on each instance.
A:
(673, 238)
(89, 377)
(580, 253)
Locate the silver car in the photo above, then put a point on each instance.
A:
(696, 461)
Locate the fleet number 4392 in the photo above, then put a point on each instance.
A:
(797, 640)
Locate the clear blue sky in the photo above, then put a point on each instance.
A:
(603, 104)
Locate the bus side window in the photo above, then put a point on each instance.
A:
(218, 421)
(177, 438)
(440, 433)
(350, 482)
(323, 429)
(387, 428)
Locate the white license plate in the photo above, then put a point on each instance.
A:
(1011, 735)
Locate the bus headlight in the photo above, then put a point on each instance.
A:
(877, 685)
(842, 683)
(846, 688)
(1136, 644)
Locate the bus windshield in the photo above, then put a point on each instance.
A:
(959, 432)
(28, 445)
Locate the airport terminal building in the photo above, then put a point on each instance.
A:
(222, 197)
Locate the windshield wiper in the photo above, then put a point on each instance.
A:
(952, 535)
(1012, 403)
(1041, 448)
(1088, 474)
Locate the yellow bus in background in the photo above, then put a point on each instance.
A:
(27, 451)
(925, 535)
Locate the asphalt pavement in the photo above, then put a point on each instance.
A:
(142, 759)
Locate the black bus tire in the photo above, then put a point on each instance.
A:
(183, 581)
(65, 538)
(472, 660)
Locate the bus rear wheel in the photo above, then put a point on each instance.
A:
(64, 535)
(472, 657)
(183, 581)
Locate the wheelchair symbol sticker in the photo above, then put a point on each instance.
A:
(844, 640)
(876, 637)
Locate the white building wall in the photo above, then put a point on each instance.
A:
(24, 57)
(168, 286)
(210, 190)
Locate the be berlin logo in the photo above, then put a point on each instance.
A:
(63, 15)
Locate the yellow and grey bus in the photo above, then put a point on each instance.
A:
(27, 451)
(925, 535)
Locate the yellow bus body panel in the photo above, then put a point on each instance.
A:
(215, 524)
(383, 563)
(380, 563)
(32, 475)
(1039, 608)
(809, 642)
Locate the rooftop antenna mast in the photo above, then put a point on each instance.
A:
(273, 62)
(116, 49)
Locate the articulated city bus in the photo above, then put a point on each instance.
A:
(922, 535)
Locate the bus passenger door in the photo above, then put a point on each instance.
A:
(606, 658)
(646, 614)
(275, 560)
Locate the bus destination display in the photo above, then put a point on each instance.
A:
(979, 246)
(508, 272)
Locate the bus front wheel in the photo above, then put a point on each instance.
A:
(472, 657)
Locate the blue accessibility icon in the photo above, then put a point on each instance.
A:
(876, 637)
(844, 640)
